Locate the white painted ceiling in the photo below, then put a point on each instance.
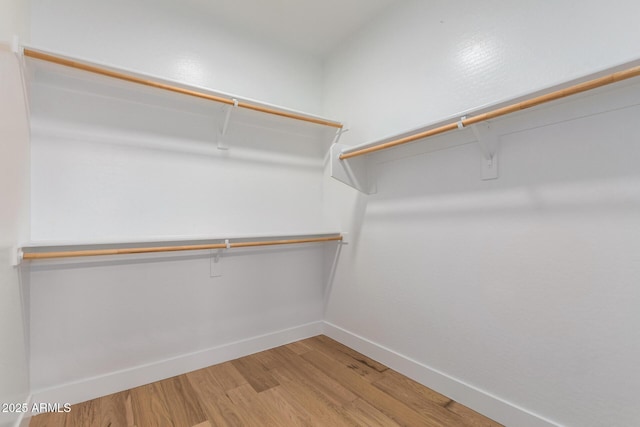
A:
(314, 26)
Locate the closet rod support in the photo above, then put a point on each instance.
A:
(339, 133)
(16, 256)
(488, 144)
(15, 45)
(222, 145)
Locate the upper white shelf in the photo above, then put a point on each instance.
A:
(485, 125)
(73, 97)
(139, 162)
(173, 86)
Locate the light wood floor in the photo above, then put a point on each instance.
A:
(313, 382)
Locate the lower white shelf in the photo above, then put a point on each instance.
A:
(48, 250)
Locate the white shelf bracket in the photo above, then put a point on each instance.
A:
(488, 144)
(339, 133)
(15, 46)
(16, 256)
(354, 171)
(222, 143)
(216, 263)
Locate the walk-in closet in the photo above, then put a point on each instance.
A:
(357, 212)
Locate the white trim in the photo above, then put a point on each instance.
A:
(91, 388)
(479, 400)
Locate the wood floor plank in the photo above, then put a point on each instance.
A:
(248, 399)
(49, 420)
(171, 402)
(353, 360)
(149, 407)
(366, 415)
(227, 376)
(214, 400)
(313, 382)
(419, 398)
(128, 407)
(298, 347)
(116, 410)
(315, 402)
(395, 409)
(331, 343)
(410, 392)
(293, 413)
(182, 401)
(268, 359)
(255, 373)
(85, 414)
(298, 369)
(471, 417)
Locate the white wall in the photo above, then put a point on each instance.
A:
(429, 60)
(168, 39)
(529, 280)
(112, 163)
(14, 20)
(14, 212)
(96, 317)
(116, 162)
(524, 287)
(14, 219)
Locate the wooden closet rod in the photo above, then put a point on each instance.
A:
(558, 94)
(124, 251)
(122, 76)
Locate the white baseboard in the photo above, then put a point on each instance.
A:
(91, 388)
(493, 407)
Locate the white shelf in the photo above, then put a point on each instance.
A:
(42, 67)
(91, 98)
(117, 139)
(508, 101)
(357, 172)
(69, 244)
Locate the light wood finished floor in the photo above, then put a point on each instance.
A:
(313, 382)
